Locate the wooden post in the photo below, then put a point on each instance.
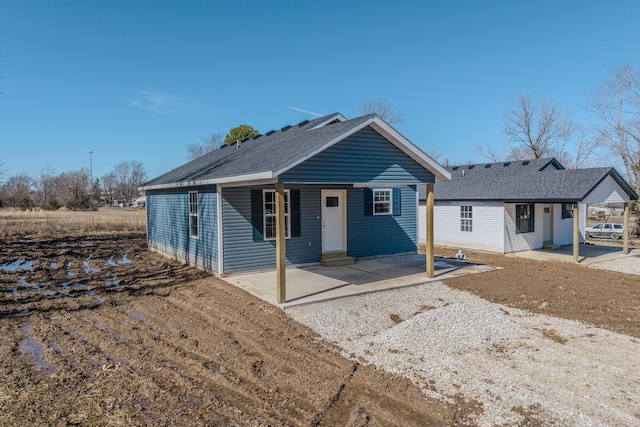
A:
(625, 234)
(429, 232)
(576, 233)
(281, 258)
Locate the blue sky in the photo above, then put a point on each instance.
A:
(140, 80)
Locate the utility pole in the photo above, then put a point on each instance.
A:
(91, 177)
(91, 166)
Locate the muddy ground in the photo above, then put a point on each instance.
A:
(99, 331)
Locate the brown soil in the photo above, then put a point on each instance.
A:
(603, 298)
(99, 331)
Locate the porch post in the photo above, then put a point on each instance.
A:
(625, 234)
(429, 232)
(281, 259)
(576, 232)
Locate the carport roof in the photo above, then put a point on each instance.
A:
(538, 180)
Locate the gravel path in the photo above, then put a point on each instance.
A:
(519, 367)
(628, 264)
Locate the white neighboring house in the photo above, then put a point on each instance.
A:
(517, 205)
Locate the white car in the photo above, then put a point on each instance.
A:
(608, 230)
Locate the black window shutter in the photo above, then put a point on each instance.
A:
(257, 214)
(397, 203)
(295, 213)
(368, 202)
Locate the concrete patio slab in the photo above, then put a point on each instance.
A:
(316, 283)
(589, 253)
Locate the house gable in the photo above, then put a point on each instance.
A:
(363, 157)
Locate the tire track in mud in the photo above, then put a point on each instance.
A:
(166, 344)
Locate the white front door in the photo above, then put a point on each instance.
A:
(547, 232)
(333, 221)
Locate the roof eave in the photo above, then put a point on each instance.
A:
(237, 179)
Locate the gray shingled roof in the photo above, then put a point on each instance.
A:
(539, 180)
(260, 154)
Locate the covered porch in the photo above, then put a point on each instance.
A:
(329, 219)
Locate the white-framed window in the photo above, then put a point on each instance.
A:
(466, 218)
(269, 200)
(382, 201)
(193, 214)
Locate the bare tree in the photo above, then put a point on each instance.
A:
(616, 103)
(19, 191)
(382, 108)
(537, 128)
(109, 186)
(206, 145)
(490, 153)
(72, 189)
(46, 189)
(128, 177)
(584, 145)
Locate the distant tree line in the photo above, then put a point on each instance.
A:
(72, 190)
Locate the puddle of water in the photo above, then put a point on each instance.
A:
(138, 316)
(32, 348)
(88, 269)
(18, 264)
(110, 262)
(125, 260)
(29, 285)
(54, 265)
(112, 282)
(71, 274)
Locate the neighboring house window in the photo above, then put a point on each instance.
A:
(382, 202)
(466, 218)
(567, 210)
(193, 214)
(270, 214)
(524, 218)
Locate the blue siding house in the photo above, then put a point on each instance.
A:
(323, 191)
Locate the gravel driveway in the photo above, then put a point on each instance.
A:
(519, 367)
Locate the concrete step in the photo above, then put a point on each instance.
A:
(333, 255)
(336, 261)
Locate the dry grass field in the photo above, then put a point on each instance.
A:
(14, 222)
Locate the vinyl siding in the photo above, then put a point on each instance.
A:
(242, 253)
(514, 242)
(487, 227)
(563, 228)
(364, 157)
(168, 227)
(381, 234)
(608, 191)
